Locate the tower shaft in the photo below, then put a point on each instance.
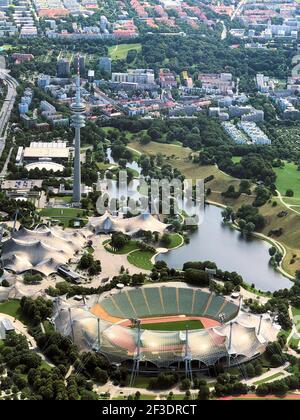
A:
(77, 167)
(78, 109)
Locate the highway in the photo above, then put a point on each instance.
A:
(7, 105)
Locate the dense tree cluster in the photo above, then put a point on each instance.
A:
(36, 310)
(87, 262)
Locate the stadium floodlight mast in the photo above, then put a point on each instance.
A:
(136, 363)
(71, 324)
(99, 334)
(230, 343)
(187, 357)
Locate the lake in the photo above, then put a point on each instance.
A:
(217, 242)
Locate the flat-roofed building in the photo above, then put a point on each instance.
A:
(6, 327)
(56, 150)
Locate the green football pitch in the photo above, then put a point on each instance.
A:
(174, 325)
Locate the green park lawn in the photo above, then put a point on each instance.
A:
(168, 150)
(296, 315)
(176, 241)
(288, 178)
(143, 397)
(296, 311)
(174, 326)
(119, 52)
(63, 215)
(269, 378)
(236, 159)
(141, 259)
(10, 307)
(129, 247)
(61, 212)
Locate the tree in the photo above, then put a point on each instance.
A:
(197, 277)
(250, 370)
(101, 376)
(138, 279)
(137, 395)
(185, 384)
(249, 228)
(289, 193)
(166, 240)
(145, 139)
(203, 393)
(118, 241)
(227, 214)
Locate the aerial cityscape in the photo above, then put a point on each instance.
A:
(149, 201)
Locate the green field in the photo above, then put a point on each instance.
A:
(236, 159)
(174, 326)
(269, 378)
(10, 307)
(61, 212)
(63, 215)
(119, 52)
(141, 259)
(289, 178)
(176, 241)
(143, 397)
(168, 150)
(296, 315)
(130, 246)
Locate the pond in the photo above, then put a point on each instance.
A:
(131, 165)
(217, 242)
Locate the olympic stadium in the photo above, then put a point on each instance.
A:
(169, 326)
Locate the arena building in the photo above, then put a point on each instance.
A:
(170, 326)
(41, 250)
(106, 224)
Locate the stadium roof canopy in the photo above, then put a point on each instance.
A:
(41, 250)
(240, 340)
(130, 226)
(49, 166)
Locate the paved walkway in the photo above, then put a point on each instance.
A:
(288, 206)
(269, 374)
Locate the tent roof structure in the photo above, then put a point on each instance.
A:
(240, 340)
(107, 224)
(41, 250)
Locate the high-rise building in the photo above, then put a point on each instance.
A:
(105, 65)
(63, 68)
(78, 109)
(5, 3)
(91, 76)
(140, 76)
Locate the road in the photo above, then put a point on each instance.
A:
(224, 31)
(4, 170)
(237, 10)
(7, 105)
